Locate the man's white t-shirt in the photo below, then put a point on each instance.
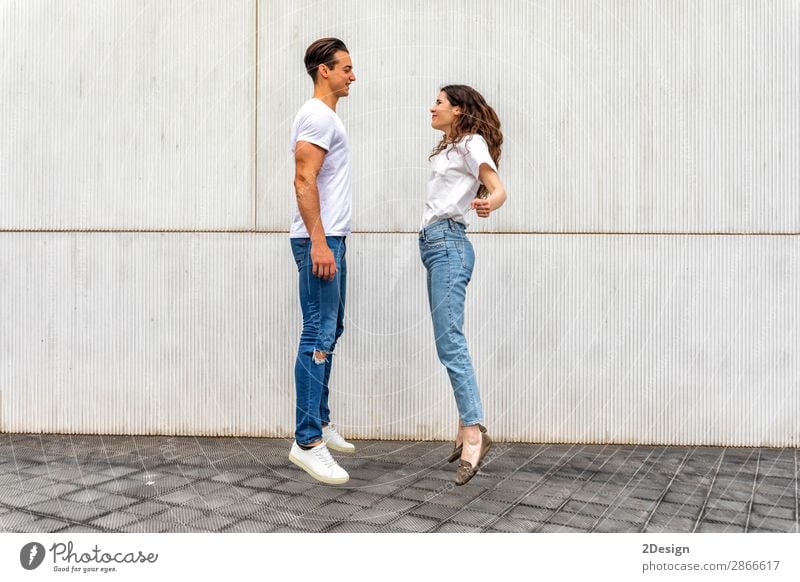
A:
(454, 180)
(318, 124)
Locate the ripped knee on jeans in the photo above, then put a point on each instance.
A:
(319, 357)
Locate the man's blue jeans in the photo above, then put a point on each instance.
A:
(322, 303)
(449, 259)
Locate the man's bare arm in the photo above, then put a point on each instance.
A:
(308, 159)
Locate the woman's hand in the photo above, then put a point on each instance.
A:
(497, 193)
(482, 207)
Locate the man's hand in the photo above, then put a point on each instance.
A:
(482, 207)
(323, 262)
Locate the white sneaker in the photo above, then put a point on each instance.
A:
(318, 463)
(336, 441)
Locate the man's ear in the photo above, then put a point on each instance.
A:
(323, 70)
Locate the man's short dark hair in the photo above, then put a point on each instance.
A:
(321, 52)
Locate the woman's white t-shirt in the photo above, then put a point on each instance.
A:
(454, 180)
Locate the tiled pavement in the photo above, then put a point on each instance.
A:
(62, 483)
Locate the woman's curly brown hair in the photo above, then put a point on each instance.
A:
(477, 116)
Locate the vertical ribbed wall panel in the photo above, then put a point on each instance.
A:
(591, 338)
(121, 114)
(670, 116)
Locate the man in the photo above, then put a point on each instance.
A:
(322, 222)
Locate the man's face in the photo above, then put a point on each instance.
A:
(341, 75)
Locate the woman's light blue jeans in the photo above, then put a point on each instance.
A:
(449, 259)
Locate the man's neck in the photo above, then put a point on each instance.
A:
(327, 96)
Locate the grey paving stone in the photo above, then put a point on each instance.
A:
(374, 515)
(414, 524)
(502, 496)
(21, 499)
(725, 516)
(733, 494)
(574, 520)
(456, 528)
(86, 495)
(295, 486)
(326, 492)
(608, 525)
(433, 511)
(625, 514)
(473, 518)
(772, 523)
(738, 506)
(432, 484)
(178, 497)
(68, 510)
(359, 498)
(250, 526)
(488, 506)
(396, 505)
(213, 523)
(209, 502)
(530, 513)
(198, 472)
(13, 479)
(558, 528)
(147, 508)
(312, 524)
(646, 494)
(383, 490)
(206, 487)
(586, 508)
(537, 500)
(14, 519)
(275, 499)
(141, 491)
(184, 515)
(670, 524)
(259, 482)
(35, 483)
(87, 479)
(118, 471)
(513, 525)
(412, 494)
(240, 509)
(117, 486)
(149, 525)
(784, 501)
(337, 511)
(450, 499)
(58, 489)
(355, 527)
(302, 504)
(80, 529)
(115, 521)
(231, 477)
(183, 528)
(717, 527)
(677, 510)
(767, 511)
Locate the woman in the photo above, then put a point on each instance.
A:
(463, 178)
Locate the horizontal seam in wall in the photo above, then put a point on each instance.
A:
(503, 232)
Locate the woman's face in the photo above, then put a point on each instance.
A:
(443, 114)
